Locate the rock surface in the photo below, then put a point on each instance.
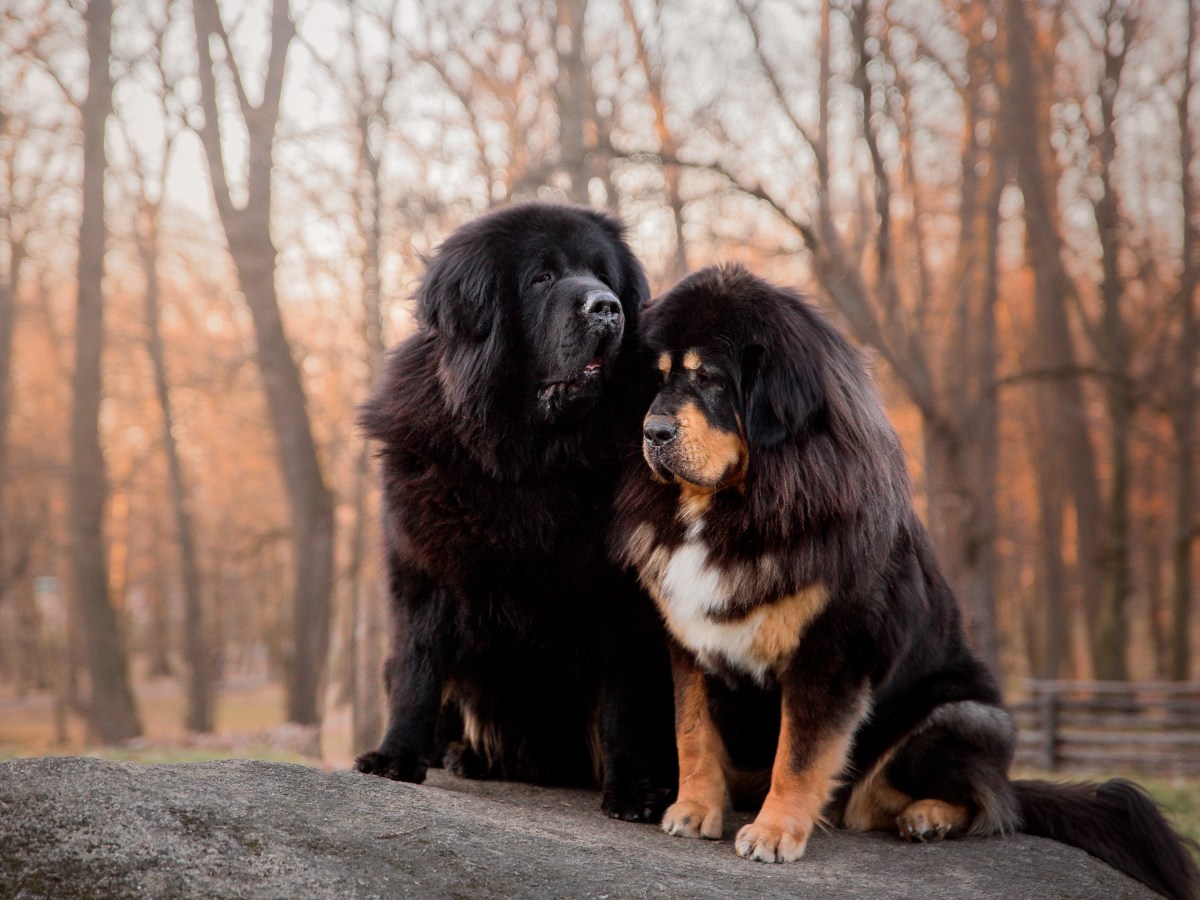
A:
(87, 828)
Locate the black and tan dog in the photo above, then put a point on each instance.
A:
(814, 634)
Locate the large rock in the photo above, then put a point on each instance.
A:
(83, 827)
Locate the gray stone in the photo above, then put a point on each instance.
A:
(73, 827)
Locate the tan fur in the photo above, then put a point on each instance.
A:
(664, 363)
(780, 831)
(931, 820)
(784, 622)
(693, 502)
(703, 795)
(482, 738)
(691, 360)
(874, 803)
(711, 457)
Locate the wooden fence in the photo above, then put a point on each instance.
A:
(1109, 726)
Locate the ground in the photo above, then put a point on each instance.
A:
(85, 827)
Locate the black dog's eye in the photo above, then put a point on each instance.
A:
(707, 379)
(543, 277)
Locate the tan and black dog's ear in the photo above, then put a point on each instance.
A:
(780, 393)
(459, 294)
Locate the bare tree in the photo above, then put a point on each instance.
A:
(367, 83)
(148, 189)
(1184, 407)
(1067, 454)
(111, 713)
(1112, 338)
(15, 250)
(247, 229)
(652, 71)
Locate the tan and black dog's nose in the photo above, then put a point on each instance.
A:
(658, 430)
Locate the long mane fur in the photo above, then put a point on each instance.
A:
(457, 388)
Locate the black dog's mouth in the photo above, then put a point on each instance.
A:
(557, 395)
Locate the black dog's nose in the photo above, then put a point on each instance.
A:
(602, 305)
(658, 430)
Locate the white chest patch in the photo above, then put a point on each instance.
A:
(691, 593)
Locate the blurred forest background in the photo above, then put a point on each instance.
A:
(212, 216)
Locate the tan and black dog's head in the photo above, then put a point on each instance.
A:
(740, 368)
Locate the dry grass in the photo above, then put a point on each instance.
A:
(244, 712)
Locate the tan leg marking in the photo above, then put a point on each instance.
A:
(700, 809)
(793, 806)
(931, 820)
(874, 803)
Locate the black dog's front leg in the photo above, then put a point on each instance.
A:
(636, 714)
(415, 674)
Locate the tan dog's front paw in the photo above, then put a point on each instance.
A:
(930, 820)
(690, 818)
(769, 843)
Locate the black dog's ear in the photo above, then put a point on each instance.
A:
(779, 395)
(458, 295)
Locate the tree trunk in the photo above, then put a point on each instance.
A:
(309, 499)
(1183, 418)
(1112, 615)
(963, 531)
(962, 455)
(1155, 598)
(158, 653)
(1050, 653)
(8, 296)
(199, 715)
(111, 713)
(248, 235)
(368, 598)
(573, 91)
(1059, 396)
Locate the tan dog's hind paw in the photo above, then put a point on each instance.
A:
(768, 843)
(691, 818)
(930, 820)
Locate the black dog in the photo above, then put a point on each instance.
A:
(503, 423)
(815, 633)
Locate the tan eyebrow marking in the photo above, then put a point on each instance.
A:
(664, 362)
(691, 360)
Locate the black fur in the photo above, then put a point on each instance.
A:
(502, 423)
(1116, 821)
(824, 499)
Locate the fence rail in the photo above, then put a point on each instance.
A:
(1150, 727)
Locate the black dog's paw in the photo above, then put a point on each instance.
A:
(463, 761)
(636, 800)
(403, 765)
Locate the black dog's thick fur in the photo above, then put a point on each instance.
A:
(502, 424)
(774, 529)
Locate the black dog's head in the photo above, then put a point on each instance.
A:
(532, 304)
(741, 366)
